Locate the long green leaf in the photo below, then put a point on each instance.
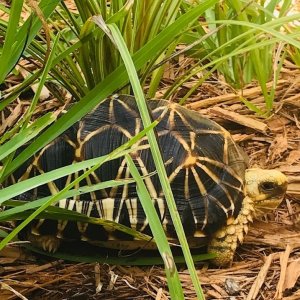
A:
(10, 42)
(157, 231)
(109, 258)
(23, 186)
(155, 151)
(24, 36)
(55, 198)
(21, 206)
(57, 213)
(26, 135)
(111, 83)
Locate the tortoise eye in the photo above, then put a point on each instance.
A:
(268, 186)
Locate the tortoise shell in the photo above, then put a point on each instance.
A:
(204, 166)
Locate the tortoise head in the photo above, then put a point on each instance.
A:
(266, 188)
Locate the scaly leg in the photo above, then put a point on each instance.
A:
(224, 242)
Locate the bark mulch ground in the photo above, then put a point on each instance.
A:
(266, 266)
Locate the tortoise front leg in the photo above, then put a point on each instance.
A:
(224, 242)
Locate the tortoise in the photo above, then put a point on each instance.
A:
(216, 194)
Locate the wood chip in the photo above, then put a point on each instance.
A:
(15, 253)
(278, 147)
(4, 286)
(237, 118)
(256, 286)
(159, 294)
(289, 169)
(234, 97)
(214, 294)
(294, 100)
(113, 279)
(44, 267)
(242, 137)
(292, 274)
(13, 117)
(277, 123)
(220, 290)
(293, 157)
(284, 257)
(45, 93)
(98, 282)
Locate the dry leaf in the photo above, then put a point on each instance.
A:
(14, 116)
(169, 72)
(277, 148)
(292, 274)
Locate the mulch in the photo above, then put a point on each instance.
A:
(266, 266)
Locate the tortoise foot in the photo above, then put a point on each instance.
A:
(48, 243)
(224, 254)
(225, 241)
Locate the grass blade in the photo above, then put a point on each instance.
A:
(109, 258)
(157, 231)
(111, 83)
(23, 36)
(118, 40)
(58, 213)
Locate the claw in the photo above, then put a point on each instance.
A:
(241, 237)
